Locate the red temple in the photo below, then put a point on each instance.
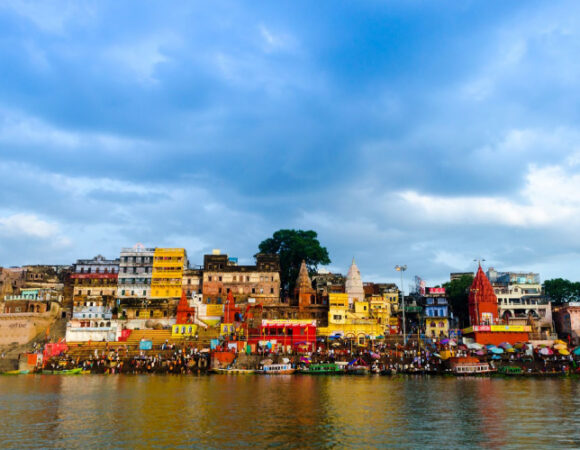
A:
(482, 301)
(185, 313)
(484, 319)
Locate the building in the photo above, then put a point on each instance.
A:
(135, 272)
(458, 275)
(286, 335)
(167, 273)
(486, 326)
(325, 283)
(310, 305)
(92, 320)
(259, 283)
(29, 301)
(567, 321)
(192, 282)
(436, 313)
(351, 322)
(95, 277)
(520, 300)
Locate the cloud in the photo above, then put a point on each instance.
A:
(27, 225)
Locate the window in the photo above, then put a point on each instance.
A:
(209, 278)
(271, 290)
(253, 290)
(247, 278)
(220, 278)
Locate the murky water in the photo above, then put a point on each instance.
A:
(287, 411)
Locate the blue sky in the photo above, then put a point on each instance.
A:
(420, 133)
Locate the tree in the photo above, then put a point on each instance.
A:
(561, 291)
(458, 295)
(294, 246)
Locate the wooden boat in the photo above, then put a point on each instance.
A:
(322, 369)
(510, 371)
(16, 372)
(469, 366)
(275, 369)
(234, 371)
(77, 371)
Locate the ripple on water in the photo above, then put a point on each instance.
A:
(287, 412)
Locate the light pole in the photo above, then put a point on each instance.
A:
(402, 269)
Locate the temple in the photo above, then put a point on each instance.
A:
(486, 327)
(354, 285)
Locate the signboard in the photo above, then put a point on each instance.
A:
(438, 290)
(288, 323)
(145, 345)
(251, 300)
(498, 328)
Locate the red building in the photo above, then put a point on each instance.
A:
(486, 328)
(291, 334)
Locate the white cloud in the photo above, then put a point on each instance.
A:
(550, 197)
(142, 57)
(27, 225)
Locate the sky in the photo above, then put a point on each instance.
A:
(425, 133)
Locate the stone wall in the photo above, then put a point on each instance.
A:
(22, 328)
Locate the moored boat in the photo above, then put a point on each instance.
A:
(234, 371)
(275, 369)
(357, 367)
(469, 366)
(322, 369)
(77, 371)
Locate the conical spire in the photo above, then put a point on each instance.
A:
(482, 300)
(354, 285)
(303, 281)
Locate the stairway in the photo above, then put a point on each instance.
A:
(158, 337)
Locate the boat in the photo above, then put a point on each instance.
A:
(322, 369)
(510, 370)
(16, 372)
(357, 367)
(469, 366)
(77, 371)
(234, 371)
(275, 369)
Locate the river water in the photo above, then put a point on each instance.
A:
(224, 411)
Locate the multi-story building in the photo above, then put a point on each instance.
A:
(436, 313)
(520, 300)
(259, 283)
(95, 277)
(167, 275)
(135, 272)
(192, 282)
(326, 283)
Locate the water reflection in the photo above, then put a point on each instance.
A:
(287, 411)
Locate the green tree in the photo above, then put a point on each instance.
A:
(293, 246)
(560, 291)
(458, 295)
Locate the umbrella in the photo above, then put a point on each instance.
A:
(576, 351)
(490, 346)
(336, 344)
(511, 350)
(505, 345)
(444, 341)
(519, 345)
(563, 352)
(559, 341)
(480, 352)
(496, 357)
(546, 351)
(496, 350)
(452, 342)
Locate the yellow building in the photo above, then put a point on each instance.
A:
(352, 323)
(167, 277)
(436, 327)
(380, 308)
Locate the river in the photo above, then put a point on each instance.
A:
(299, 411)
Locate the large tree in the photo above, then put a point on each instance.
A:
(294, 246)
(458, 295)
(561, 291)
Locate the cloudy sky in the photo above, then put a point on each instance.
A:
(426, 133)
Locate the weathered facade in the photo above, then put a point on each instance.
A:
(259, 283)
(135, 272)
